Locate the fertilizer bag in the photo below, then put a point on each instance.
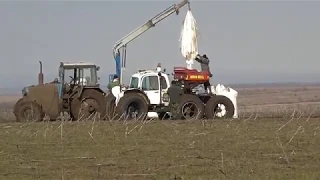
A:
(188, 39)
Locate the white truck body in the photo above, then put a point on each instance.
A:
(149, 82)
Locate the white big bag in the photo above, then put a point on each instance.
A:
(188, 39)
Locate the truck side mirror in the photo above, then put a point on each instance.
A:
(98, 68)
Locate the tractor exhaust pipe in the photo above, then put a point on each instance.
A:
(40, 76)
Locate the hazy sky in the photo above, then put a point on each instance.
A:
(247, 42)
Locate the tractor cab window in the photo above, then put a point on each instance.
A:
(86, 76)
(134, 82)
(68, 75)
(150, 83)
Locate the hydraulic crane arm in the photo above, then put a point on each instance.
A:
(122, 43)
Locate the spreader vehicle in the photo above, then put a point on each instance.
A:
(147, 95)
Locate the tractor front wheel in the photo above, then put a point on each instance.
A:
(132, 106)
(26, 111)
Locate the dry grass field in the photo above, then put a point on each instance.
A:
(276, 137)
(227, 149)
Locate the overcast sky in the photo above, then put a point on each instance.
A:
(247, 42)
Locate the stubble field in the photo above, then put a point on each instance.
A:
(276, 137)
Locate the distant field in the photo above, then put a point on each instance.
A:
(277, 101)
(6, 104)
(9, 99)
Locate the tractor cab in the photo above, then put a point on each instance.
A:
(78, 74)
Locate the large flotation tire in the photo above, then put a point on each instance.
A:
(132, 106)
(219, 107)
(190, 107)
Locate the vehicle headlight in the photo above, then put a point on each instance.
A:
(165, 97)
(25, 91)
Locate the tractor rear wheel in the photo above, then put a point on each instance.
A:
(92, 102)
(219, 107)
(190, 107)
(26, 111)
(19, 101)
(132, 106)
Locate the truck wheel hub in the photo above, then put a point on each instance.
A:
(220, 110)
(28, 113)
(133, 110)
(189, 110)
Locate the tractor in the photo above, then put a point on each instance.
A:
(76, 92)
(148, 94)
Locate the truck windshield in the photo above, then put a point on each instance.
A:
(134, 82)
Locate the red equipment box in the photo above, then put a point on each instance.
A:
(182, 73)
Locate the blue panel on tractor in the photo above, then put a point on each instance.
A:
(59, 88)
(118, 65)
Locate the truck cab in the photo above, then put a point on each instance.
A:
(151, 84)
